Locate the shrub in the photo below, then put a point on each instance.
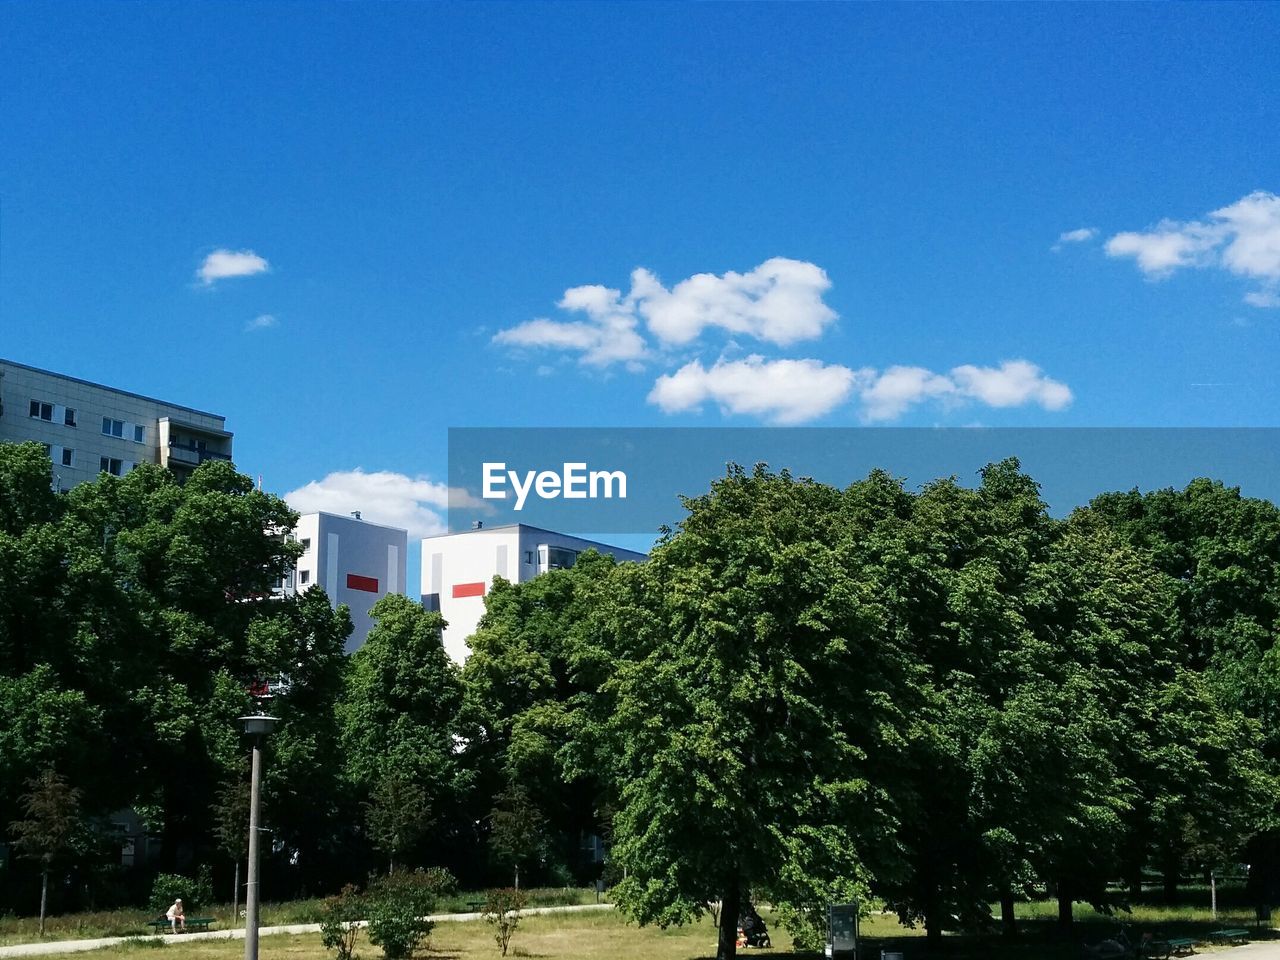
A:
(502, 910)
(340, 918)
(168, 887)
(398, 905)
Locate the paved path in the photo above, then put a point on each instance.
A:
(1267, 950)
(79, 946)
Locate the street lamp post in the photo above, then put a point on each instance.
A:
(257, 726)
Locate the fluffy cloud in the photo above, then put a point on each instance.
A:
(263, 321)
(780, 391)
(607, 336)
(412, 503)
(778, 302)
(1015, 383)
(1167, 247)
(222, 264)
(1242, 238)
(889, 395)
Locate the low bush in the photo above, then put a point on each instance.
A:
(340, 918)
(193, 893)
(398, 905)
(502, 911)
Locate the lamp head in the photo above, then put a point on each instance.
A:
(259, 724)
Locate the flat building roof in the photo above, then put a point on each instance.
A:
(103, 386)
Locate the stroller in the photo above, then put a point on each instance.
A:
(752, 929)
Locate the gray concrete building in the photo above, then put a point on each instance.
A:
(89, 428)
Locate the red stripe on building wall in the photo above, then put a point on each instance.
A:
(468, 590)
(356, 582)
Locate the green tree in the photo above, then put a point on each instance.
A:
(517, 830)
(754, 673)
(398, 815)
(1220, 553)
(535, 666)
(301, 642)
(398, 713)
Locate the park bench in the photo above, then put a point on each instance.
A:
(1182, 946)
(160, 924)
(1230, 935)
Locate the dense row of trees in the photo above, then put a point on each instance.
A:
(943, 699)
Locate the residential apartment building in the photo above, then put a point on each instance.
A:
(458, 569)
(88, 428)
(355, 561)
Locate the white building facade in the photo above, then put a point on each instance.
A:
(458, 570)
(355, 561)
(88, 428)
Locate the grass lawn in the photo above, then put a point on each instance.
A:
(606, 936)
(592, 935)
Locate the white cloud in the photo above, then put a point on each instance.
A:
(1242, 238)
(1266, 297)
(1014, 383)
(415, 504)
(263, 321)
(1253, 226)
(1081, 235)
(222, 264)
(888, 395)
(780, 391)
(607, 336)
(780, 302)
(1169, 246)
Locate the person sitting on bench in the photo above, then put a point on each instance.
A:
(176, 917)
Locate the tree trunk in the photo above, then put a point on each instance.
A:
(44, 896)
(1135, 882)
(730, 907)
(933, 919)
(1064, 906)
(517, 876)
(235, 897)
(1171, 872)
(1008, 922)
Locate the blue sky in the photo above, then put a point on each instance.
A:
(384, 199)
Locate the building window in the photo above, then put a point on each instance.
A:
(69, 416)
(112, 428)
(48, 450)
(111, 465)
(139, 433)
(42, 411)
(528, 556)
(304, 577)
(68, 456)
(306, 543)
(560, 558)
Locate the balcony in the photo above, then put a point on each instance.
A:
(192, 455)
